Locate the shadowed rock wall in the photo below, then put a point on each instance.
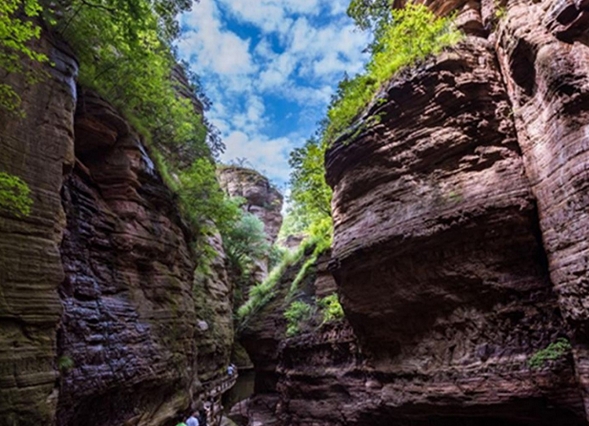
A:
(460, 237)
(38, 148)
(438, 255)
(102, 320)
(129, 317)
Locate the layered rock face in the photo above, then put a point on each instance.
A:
(102, 319)
(262, 199)
(548, 82)
(214, 310)
(38, 148)
(439, 248)
(129, 320)
(264, 333)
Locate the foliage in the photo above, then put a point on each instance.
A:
(124, 49)
(261, 294)
(320, 243)
(412, 34)
(297, 313)
(309, 191)
(65, 363)
(500, 10)
(552, 352)
(17, 29)
(331, 307)
(246, 241)
(202, 198)
(276, 255)
(409, 35)
(15, 195)
(369, 14)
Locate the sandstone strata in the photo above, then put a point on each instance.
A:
(262, 198)
(37, 148)
(129, 320)
(543, 52)
(438, 255)
(102, 320)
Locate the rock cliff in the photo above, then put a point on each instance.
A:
(262, 198)
(103, 320)
(38, 148)
(460, 236)
(129, 320)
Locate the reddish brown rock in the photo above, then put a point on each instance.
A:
(262, 198)
(214, 311)
(128, 326)
(438, 256)
(108, 324)
(37, 148)
(548, 83)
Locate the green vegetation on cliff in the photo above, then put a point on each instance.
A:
(296, 315)
(402, 38)
(17, 29)
(15, 195)
(411, 34)
(552, 352)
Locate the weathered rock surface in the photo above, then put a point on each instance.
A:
(438, 255)
(214, 310)
(102, 320)
(129, 320)
(37, 148)
(548, 82)
(262, 198)
(263, 334)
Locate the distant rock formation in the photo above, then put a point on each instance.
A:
(262, 199)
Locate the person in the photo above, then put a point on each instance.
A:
(202, 418)
(230, 370)
(181, 424)
(192, 420)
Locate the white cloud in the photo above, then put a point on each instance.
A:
(298, 52)
(214, 48)
(269, 156)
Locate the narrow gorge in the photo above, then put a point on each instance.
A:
(447, 282)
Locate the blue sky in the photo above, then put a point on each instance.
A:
(270, 68)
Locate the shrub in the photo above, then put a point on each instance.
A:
(245, 242)
(552, 352)
(261, 294)
(296, 315)
(65, 363)
(332, 309)
(412, 34)
(15, 195)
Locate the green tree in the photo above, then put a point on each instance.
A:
(17, 29)
(412, 34)
(370, 14)
(202, 198)
(245, 242)
(404, 36)
(310, 195)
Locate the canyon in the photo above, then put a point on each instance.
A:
(459, 252)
